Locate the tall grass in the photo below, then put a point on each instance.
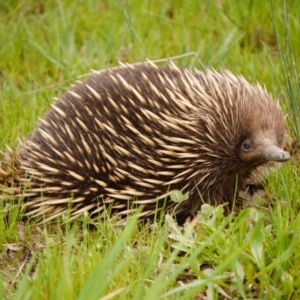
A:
(289, 65)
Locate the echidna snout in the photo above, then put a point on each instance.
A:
(273, 153)
(128, 137)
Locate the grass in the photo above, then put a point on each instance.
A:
(45, 46)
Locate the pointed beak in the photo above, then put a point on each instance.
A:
(273, 153)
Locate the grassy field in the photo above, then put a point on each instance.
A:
(45, 46)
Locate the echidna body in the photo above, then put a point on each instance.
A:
(128, 137)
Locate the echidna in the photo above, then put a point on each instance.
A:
(128, 137)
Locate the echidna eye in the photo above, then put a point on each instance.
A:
(246, 146)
